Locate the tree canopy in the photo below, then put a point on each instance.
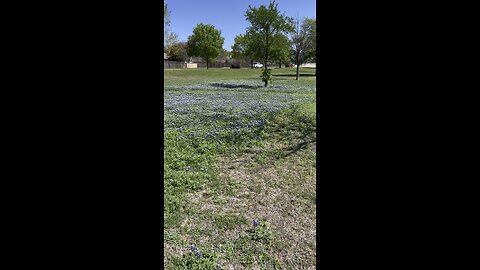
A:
(266, 27)
(282, 48)
(244, 47)
(206, 42)
(177, 52)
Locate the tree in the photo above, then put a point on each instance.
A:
(303, 40)
(281, 49)
(177, 52)
(223, 56)
(169, 37)
(205, 42)
(244, 48)
(311, 28)
(266, 24)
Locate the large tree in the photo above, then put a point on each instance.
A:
(169, 37)
(206, 42)
(303, 40)
(266, 24)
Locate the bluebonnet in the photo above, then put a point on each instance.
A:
(192, 247)
(198, 254)
(255, 223)
(205, 113)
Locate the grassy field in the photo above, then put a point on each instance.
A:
(239, 170)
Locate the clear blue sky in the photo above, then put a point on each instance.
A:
(227, 15)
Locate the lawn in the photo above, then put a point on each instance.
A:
(239, 169)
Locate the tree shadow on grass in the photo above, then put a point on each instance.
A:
(294, 75)
(235, 86)
(299, 131)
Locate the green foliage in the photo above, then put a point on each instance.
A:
(266, 76)
(281, 50)
(267, 24)
(262, 233)
(189, 261)
(310, 26)
(245, 47)
(229, 222)
(266, 27)
(205, 42)
(177, 52)
(223, 56)
(240, 47)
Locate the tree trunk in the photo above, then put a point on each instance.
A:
(280, 64)
(266, 81)
(207, 62)
(251, 63)
(298, 66)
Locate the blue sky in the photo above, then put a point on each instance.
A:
(227, 15)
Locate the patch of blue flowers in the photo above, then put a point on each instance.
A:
(244, 85)
(207, 114)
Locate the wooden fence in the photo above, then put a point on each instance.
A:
(173, 64)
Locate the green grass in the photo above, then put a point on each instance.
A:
(271, 179)
(280, 75)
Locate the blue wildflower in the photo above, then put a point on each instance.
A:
(198, 254)
(192, 247)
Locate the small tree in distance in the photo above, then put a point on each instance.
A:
(205, 42)
(244, 48)
(303, 40)
(311, 26)
(281, 50)
(177, 52)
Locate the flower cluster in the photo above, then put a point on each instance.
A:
(198, 254)
(205, 115)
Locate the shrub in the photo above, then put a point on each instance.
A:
(266, 76)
